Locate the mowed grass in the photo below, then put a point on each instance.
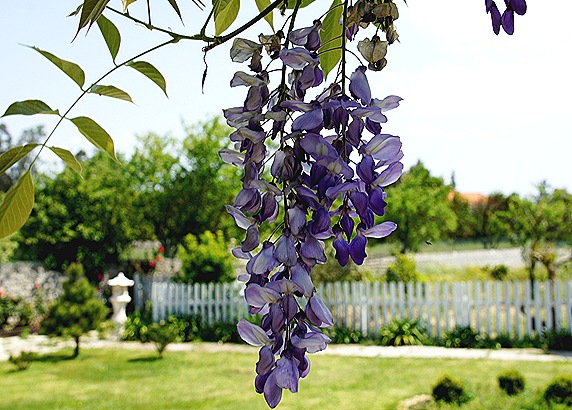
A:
(127, 379)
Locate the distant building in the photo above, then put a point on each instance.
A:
(473, 198)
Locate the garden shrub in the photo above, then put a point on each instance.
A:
(511, 381)
(23, 360)
(559, 390)
(205, 259)
(164, 333)
(499, 272)
(450, 390)
(557, 339)
(344, 335)
(15, 312)
(403, 332)
(404, 269)
(461, 337)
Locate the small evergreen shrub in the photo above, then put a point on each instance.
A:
(403, 333)
(450, 390)
(23, 360)
(164, 333)
(511, 381)
(559, 390)
(404, 269)
(461, 337)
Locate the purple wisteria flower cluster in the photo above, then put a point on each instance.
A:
(325, 180)
(506, 20)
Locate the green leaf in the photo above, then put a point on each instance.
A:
(13, 155)
(225, 12)
(110, 91)
(174, 4)
(71, 69)
(262, 4)
(331, 53)
(90, 12)
(95, 134)
(110, 35)
(17, 205)
(29, 107)
(292, 3)
(68, 158)
(150, 72)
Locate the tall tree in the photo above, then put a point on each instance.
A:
(537, 223)
(90, 220)
(175, 180)
(419, 205)
(488, 226)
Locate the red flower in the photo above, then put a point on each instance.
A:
(151, 263)
(161, 249)
(36, 286)
(159, 258)
(1, 293)
(99, 277)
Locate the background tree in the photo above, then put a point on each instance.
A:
(488, 225)
(77, 311)
(7, 141)
(537, 224)
(176, 180)
(90, 220)
(419, 204)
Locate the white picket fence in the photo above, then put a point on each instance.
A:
(492, 307)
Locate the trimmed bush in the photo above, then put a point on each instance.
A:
(344, 335)
(164, 333)
(557, 339)
(560, 390)
(450, 390)
(511, 381)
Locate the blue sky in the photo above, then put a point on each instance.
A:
(494, 110)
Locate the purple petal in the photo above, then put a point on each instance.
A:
(286, 374)
(265, 360)
(320, 222)
(388, 103)
(248, 200)
(359, 86)
(317, 146)
(342, 250)
(308, 121)
(312, 249)
(285, 250)
(297, 58)
(360, 201)
(336, 166)
(241, 78)
(318, 313)
(286, 286)
(347, 224)
(277, 318)
(272, 393)
(377, 201)
(258, 296)
(313, 341)
(269, 208)
(365, 169)
(252, 239)
(302, 278)
(519, 6)
(389, 175)
(239, 218)
(297, 219)
(357, 249)
(252, 334)
(264, 262)
(335, 191)
(380, 231)
(495, 18)
(232, 157)
(507, 20)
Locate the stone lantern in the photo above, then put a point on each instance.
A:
(119, 300)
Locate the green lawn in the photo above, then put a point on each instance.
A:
(126, 379)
